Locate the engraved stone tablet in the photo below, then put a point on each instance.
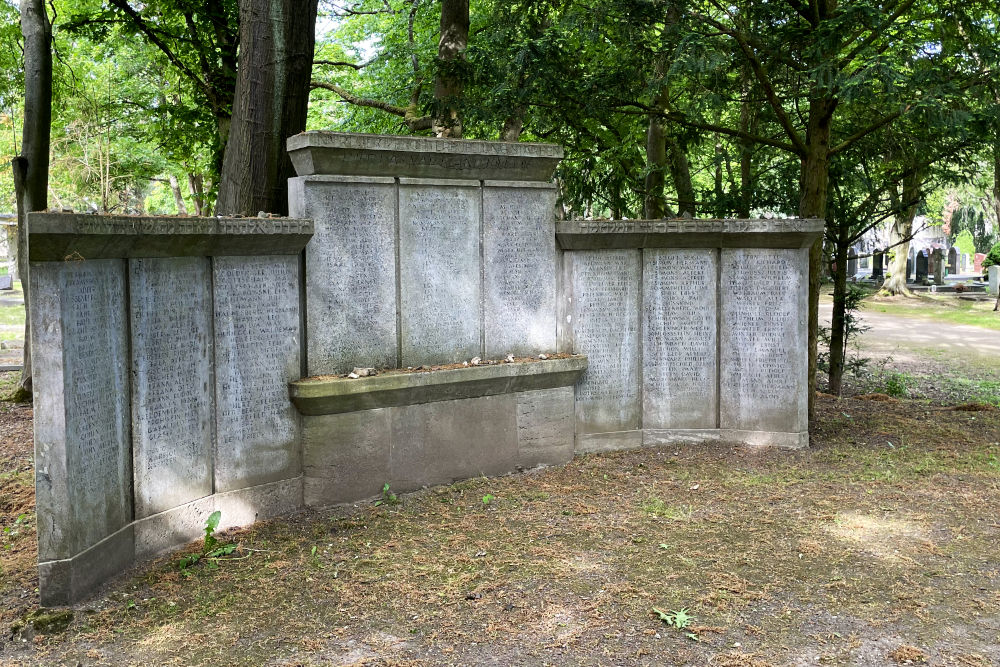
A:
(439, 272)
(763, 329)
(519, 255)
(172, 384)
(604, 316)
(256, 355)
(678, 340)
(84, 467)
(350, 271)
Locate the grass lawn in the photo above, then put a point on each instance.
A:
(938, 307)
(876, 546)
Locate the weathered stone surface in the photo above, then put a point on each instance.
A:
(345, 456)
(611, 441)
(77, 236)
(63, 582)
(437, 443)
(519, 268)
(545, 424)
(422, 157)
(172, 388)
(82, 448)
(350, 278)
(607, 234)
(993, 273)
(440, 295)
(330, 395)
(763, 329)
(602, 288)
(679, 339)
(257, 350)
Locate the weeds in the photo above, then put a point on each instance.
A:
(388, 497)
(211, 550)
(679, 619)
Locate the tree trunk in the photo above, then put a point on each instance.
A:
(451, 53)
(655, 202)
(748, 118)
(272, 97)
(513, 125)
(680, 173)
(197, 185)
(814, 181)
(175, 188)
(901, 232)
(31, 169)
(838, 333)
(996, 179)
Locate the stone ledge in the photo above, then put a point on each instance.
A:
(334, 395)
(688, 233)
(345, 154)
(77, 236)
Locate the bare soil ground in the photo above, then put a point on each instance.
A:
(879, 545)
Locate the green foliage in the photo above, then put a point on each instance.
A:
(993, 256)
(897, 384)
(679, 619)
(212, 550)
(488, 498)
(388, 497)
(965, 243)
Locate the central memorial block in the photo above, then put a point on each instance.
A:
(427, 250)
(440, 291)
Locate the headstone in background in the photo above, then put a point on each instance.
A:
(878, 266)
(994, 279)
(939, 266)
(922, 261)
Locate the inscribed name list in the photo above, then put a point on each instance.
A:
(519, 255)
(679, 339)
(172, 381)
(763, 340)
(257, 345)
(439, 273)
(351, 276)
(605, 327)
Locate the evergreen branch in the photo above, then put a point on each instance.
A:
(412, 121)
(875, 33)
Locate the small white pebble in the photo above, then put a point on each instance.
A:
(353, 376)
(542, 356)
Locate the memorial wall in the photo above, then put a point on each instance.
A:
(162, 352)
(185, 365)
(695, 330)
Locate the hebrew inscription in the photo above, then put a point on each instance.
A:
(763, 383)
(605, 327)
(172, 381)
(439, 273)
(256, 354)
(520, 264)
(679, 339)
(351, 275)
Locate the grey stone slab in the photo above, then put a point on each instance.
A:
(330, 395)
(83, 476)
(172, 386)
(604, 317)
(168, 531)
(679, 339)
(763, 329)
(545, 427)
(244, 507)
(320, 152)
(257, 350)
(345, 456)
(76, 236)
(687, 233)
(438, 443)
(994, 278)
(612, 441)
(799, 440)
(64, 582)
(519, 265)
(440, 291)
(350, 276)
(679, 436)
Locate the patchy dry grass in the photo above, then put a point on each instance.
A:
(879, 544)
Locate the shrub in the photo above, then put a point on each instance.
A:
(993, 256)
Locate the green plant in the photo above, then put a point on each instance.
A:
(388, 497)
(488, 498)
(992, 257)
(679, 619)
(896, 384)
(211, 550)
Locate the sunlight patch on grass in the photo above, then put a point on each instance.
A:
(884, 537)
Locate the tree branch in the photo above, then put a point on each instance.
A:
(412, 121)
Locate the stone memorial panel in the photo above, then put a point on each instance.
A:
(84, 468)
(519, 264)
(679, 339)
(440, 293)
(350, 271)
(604, 321)
(763, 328)
(257, 346)
(172, 385)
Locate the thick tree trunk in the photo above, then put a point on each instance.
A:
(680, 173)
(655, 201)
(272, 96)
(513, 125)
(814, 181)
(448, 82)
(32, 168)
(197, 185)
(901, 232)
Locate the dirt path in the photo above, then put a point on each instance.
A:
(895, 330)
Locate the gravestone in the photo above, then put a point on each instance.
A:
(938, 255)
(878, 266)
(994, 279)
(6, 282)
(952, 261)
(852, 263)
(922, 261)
